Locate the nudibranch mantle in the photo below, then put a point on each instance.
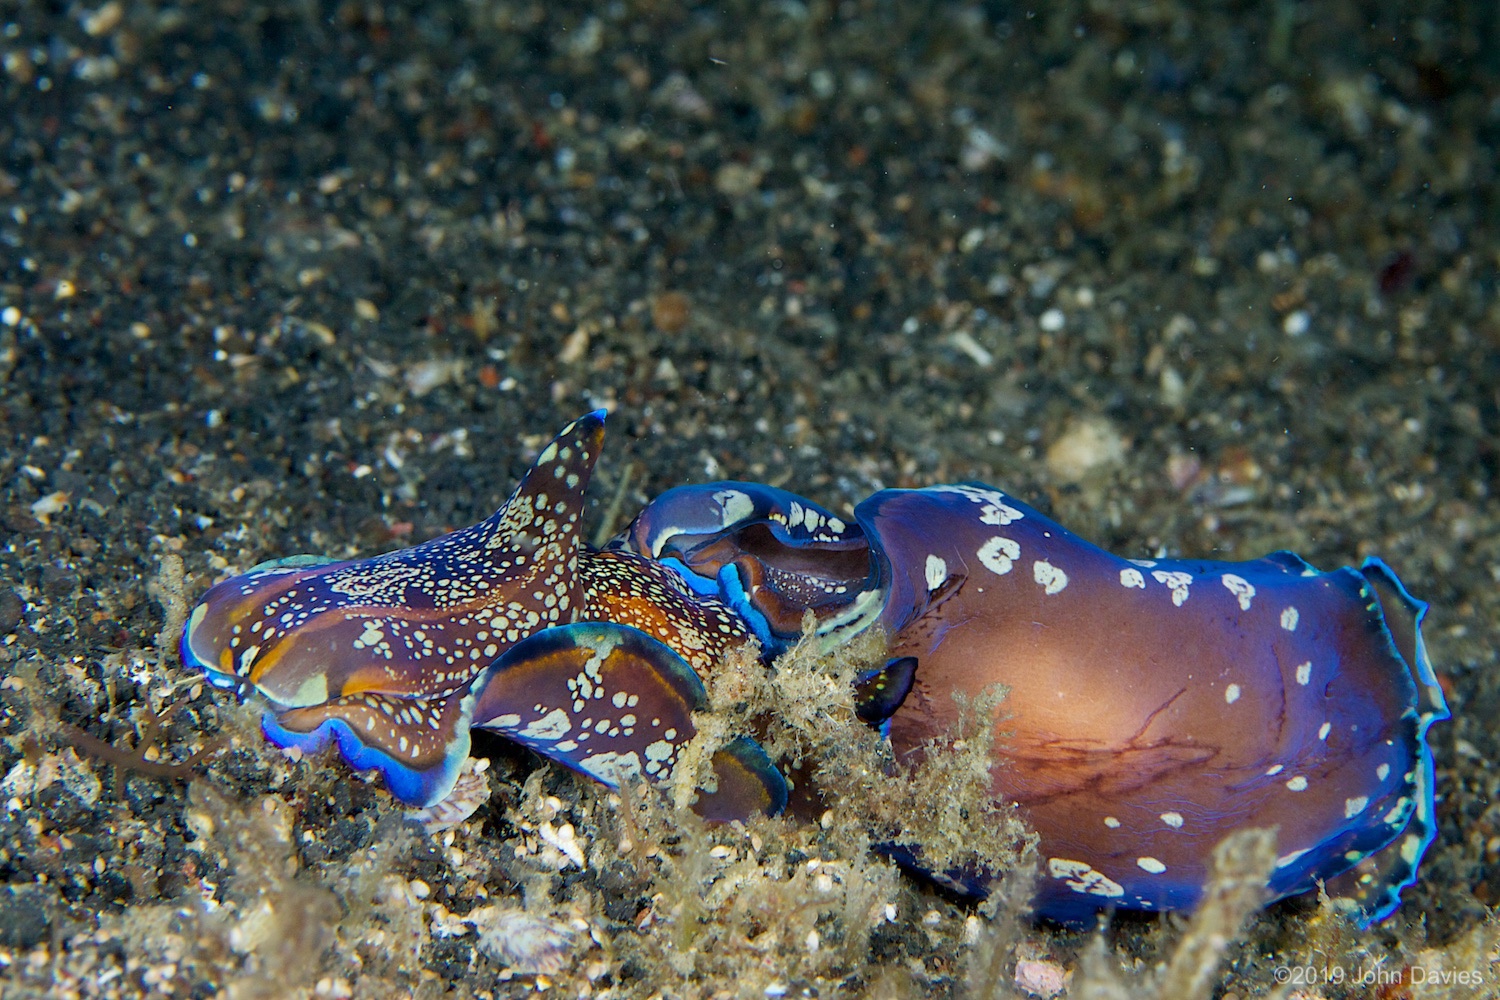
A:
(1154, 706)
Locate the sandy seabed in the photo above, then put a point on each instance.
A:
(275, 278)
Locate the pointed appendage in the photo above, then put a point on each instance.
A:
(615, 704)
(419, 622)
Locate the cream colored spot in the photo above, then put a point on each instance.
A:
(1304, 673)
(999, 513)
(1353, 807)
(1289, 618)
(999, 555)
(1111, 822)
(1383, 771)
(1172, 819)
(1240, 588)
(1232, 694)
(1130, 577)
(735, 507)
(937, 572)
(1297, 783)
(1398, 813)
(1151, 865)
(1051, 579)
(313, 691)
(552, 726)
(1081, 877)
(1175, 581)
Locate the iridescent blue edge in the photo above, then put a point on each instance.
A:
(1433, 707)
(415, 788)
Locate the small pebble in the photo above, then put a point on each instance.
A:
(671, 311)
(1086, 445)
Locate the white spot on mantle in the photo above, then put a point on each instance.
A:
(999, 555)
(1240, 588)
(552, 726)
(1052, 579)
(1081, 877)
(1174, 580)
(937, 572)
(734, 506)
(999, 513)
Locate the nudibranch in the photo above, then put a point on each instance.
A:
(1153, 706)
(512, 625)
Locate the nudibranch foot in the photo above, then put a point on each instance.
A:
(611, 702)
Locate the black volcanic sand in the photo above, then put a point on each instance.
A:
(282, 278)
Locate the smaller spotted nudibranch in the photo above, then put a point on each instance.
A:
(1153, 706)
(511, 625)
